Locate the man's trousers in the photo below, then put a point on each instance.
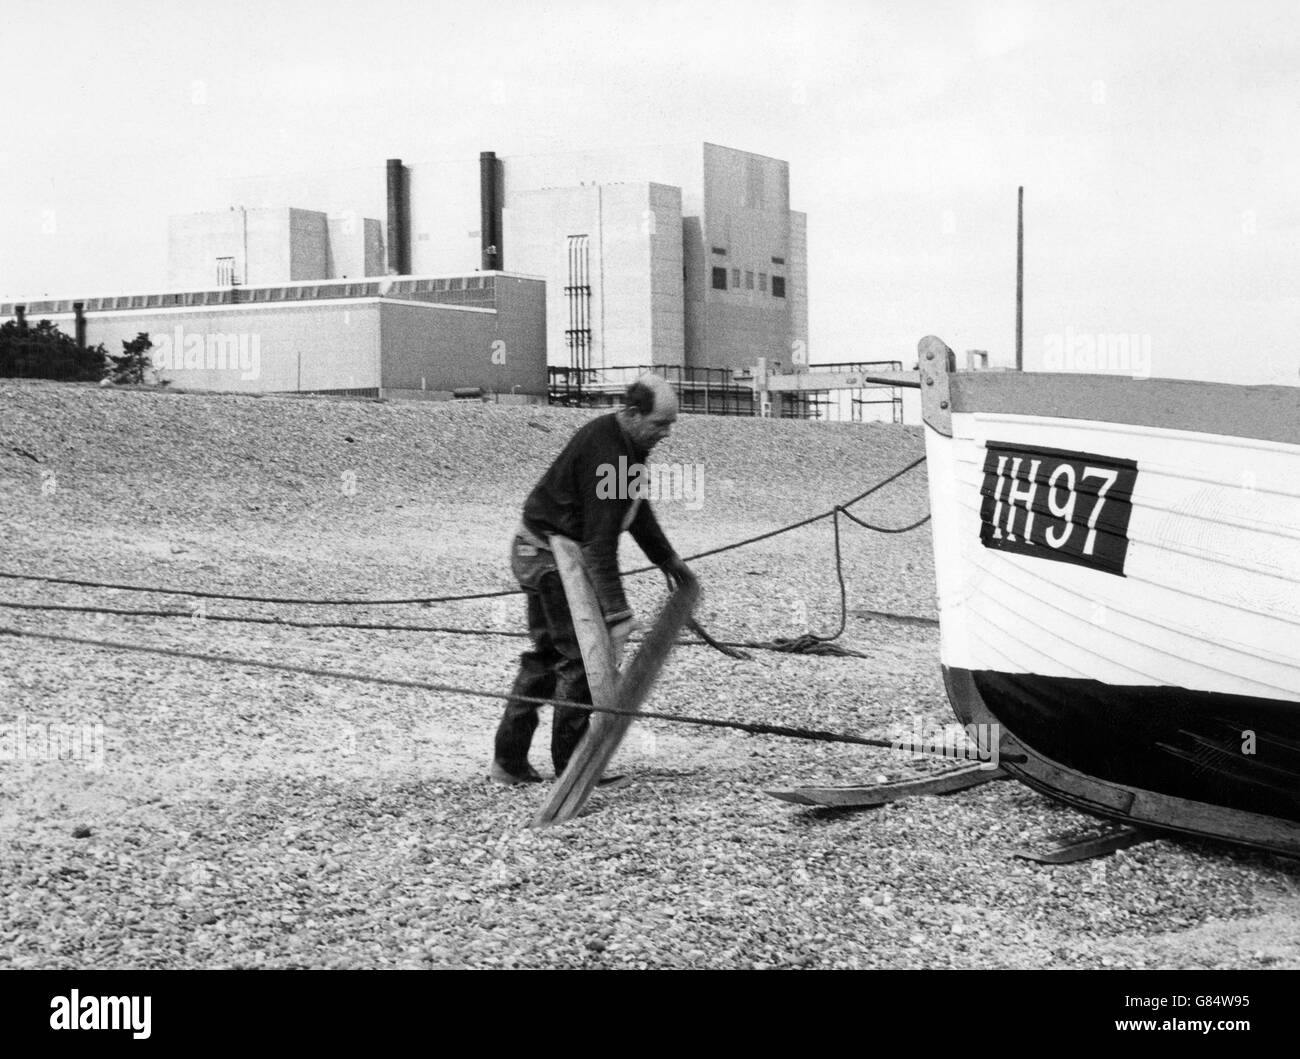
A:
(552, 667)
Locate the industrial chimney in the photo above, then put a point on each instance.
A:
(399, 218)
(489, 184)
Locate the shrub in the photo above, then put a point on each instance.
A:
(130, 366)
(45, 352)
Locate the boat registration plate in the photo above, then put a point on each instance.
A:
(1071, 507)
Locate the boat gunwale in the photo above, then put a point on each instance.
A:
(1259, 413)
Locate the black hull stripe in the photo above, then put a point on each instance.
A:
(1204, 763)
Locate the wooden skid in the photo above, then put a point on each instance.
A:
(608, 688)
(1100, 840)
(958, 779)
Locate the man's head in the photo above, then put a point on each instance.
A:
(650, 410)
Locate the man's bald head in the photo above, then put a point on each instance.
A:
(650, 393)
(650, 410)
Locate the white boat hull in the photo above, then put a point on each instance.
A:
(1119, 590)
(1208, 599)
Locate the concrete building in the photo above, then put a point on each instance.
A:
(411, 336)
(723, 214)
(685, 255)
(615, 290)
(246, 247)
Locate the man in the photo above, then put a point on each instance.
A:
(574, 499)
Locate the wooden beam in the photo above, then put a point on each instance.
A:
(588, 622)
(608, 688)
(840, 380)
(874, 794)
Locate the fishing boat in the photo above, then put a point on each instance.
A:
(1118, 578)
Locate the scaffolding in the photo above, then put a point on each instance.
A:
(704, 391)
(730, 392)
(863, 397)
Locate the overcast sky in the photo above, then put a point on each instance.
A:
(1157, 142)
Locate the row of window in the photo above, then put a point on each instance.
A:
(720, 281)
(722, 251)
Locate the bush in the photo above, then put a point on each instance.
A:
(45, 352)
(130, 366)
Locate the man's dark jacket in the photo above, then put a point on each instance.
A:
(565, 502)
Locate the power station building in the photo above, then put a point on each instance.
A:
(483, 274)
(683, 255)
(416, 337)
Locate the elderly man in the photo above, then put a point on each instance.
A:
(574, 499)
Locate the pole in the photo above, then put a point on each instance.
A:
(1020, 281)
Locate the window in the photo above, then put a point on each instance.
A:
(720, 250)
(225, 271)
(749, 281)
(735, 278)
(778, 286)
(778, 261)
(719, 279)
(762, 282)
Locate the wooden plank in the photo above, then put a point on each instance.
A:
(609, 689)
(571, 790)
(840, 380)
(874, 794)
(588, 623)
(1098, 840)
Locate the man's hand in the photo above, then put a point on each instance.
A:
(678, 572)
(620, 632)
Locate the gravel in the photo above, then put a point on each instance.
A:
(242, 818)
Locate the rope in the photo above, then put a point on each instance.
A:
(885, 529)
(309, 602)
(810, 643)
(248, 619)
(695, 627)
(252, 620)
(807, 643)
(752, 727)
(803, 522)
(255, 599)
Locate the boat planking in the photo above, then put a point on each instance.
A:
(1118, 577)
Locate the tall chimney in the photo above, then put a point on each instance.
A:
(489, 197)
(79, 309)
(399, 219)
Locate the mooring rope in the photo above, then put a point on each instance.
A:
(885, 529)
(346, 602)
(250, 619)
(752, 727)
(806, 643)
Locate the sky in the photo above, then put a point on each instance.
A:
(1158, 144)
